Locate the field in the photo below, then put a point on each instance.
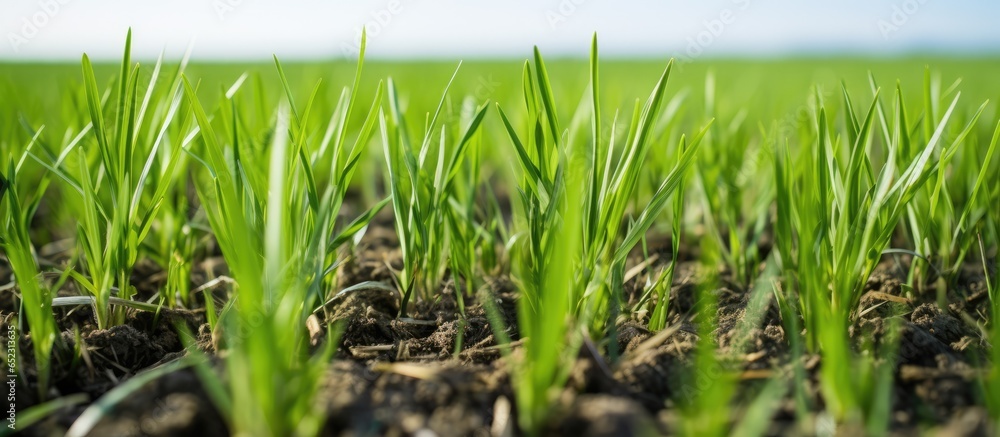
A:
(511, 247)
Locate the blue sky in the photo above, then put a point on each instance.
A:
(254, 29)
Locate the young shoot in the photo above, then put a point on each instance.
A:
(421, 178)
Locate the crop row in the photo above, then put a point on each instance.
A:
(805, 209)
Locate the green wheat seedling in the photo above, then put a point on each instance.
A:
(990, 383)
(270, 379)
(614, 175)
(468, 238)
(117, 203)
(551, 336)
(177, 232)
(330, 165)
(943, 213)
(36, 297)
(178, 245)
(421, 179)
(659, 288)
(557, 167)
(613, 181)
(546, 252)
(276, 231)
(540, 187)
(989, 237)
(834, 221)
(735, 189)
(551, 333)
(175, 235)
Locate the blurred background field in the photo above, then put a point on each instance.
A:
(768, 89)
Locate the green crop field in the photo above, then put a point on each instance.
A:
(515, 247)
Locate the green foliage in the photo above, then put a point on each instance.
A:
(835, 219)
(553, 166)
(468, 238)
(735, 186)
(547, 252)
(611, 186)
(421, 180)
(943, 214)
(261, 169)
(117, 202)
(36, 297)
(613, 176)
(990, 382)
(276, 229)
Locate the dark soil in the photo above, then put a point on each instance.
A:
(437, 374)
